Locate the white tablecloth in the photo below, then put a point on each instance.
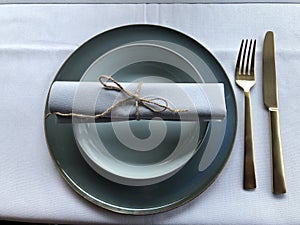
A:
(36, 39)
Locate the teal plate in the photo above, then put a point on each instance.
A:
(194, 178)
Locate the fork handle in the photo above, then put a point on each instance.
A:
(249, 168)
(277, 160)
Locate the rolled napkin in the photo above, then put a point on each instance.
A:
(113, 101)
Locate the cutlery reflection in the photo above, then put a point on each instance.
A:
(245, 78)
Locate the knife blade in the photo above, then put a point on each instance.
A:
(271, 103)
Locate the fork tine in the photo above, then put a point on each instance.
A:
(253, 59)
(244, 69)
(238, 62)
(247, 70)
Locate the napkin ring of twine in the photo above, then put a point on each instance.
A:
(152, 104)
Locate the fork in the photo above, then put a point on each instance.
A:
(245, 79)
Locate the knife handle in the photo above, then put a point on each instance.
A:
(277, 159)
(249, 168)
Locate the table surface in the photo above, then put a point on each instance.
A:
(37, 38)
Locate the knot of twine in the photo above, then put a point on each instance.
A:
(152, 104)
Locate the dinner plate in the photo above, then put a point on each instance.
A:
(199, 172)
(139, 152)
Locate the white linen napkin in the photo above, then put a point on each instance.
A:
(177, 101)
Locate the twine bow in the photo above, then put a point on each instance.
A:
(152, 104)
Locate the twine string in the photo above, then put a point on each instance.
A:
(153, 104)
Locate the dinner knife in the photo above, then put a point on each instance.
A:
(271, 102)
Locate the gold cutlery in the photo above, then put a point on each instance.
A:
(271, 102)
(245, 78)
